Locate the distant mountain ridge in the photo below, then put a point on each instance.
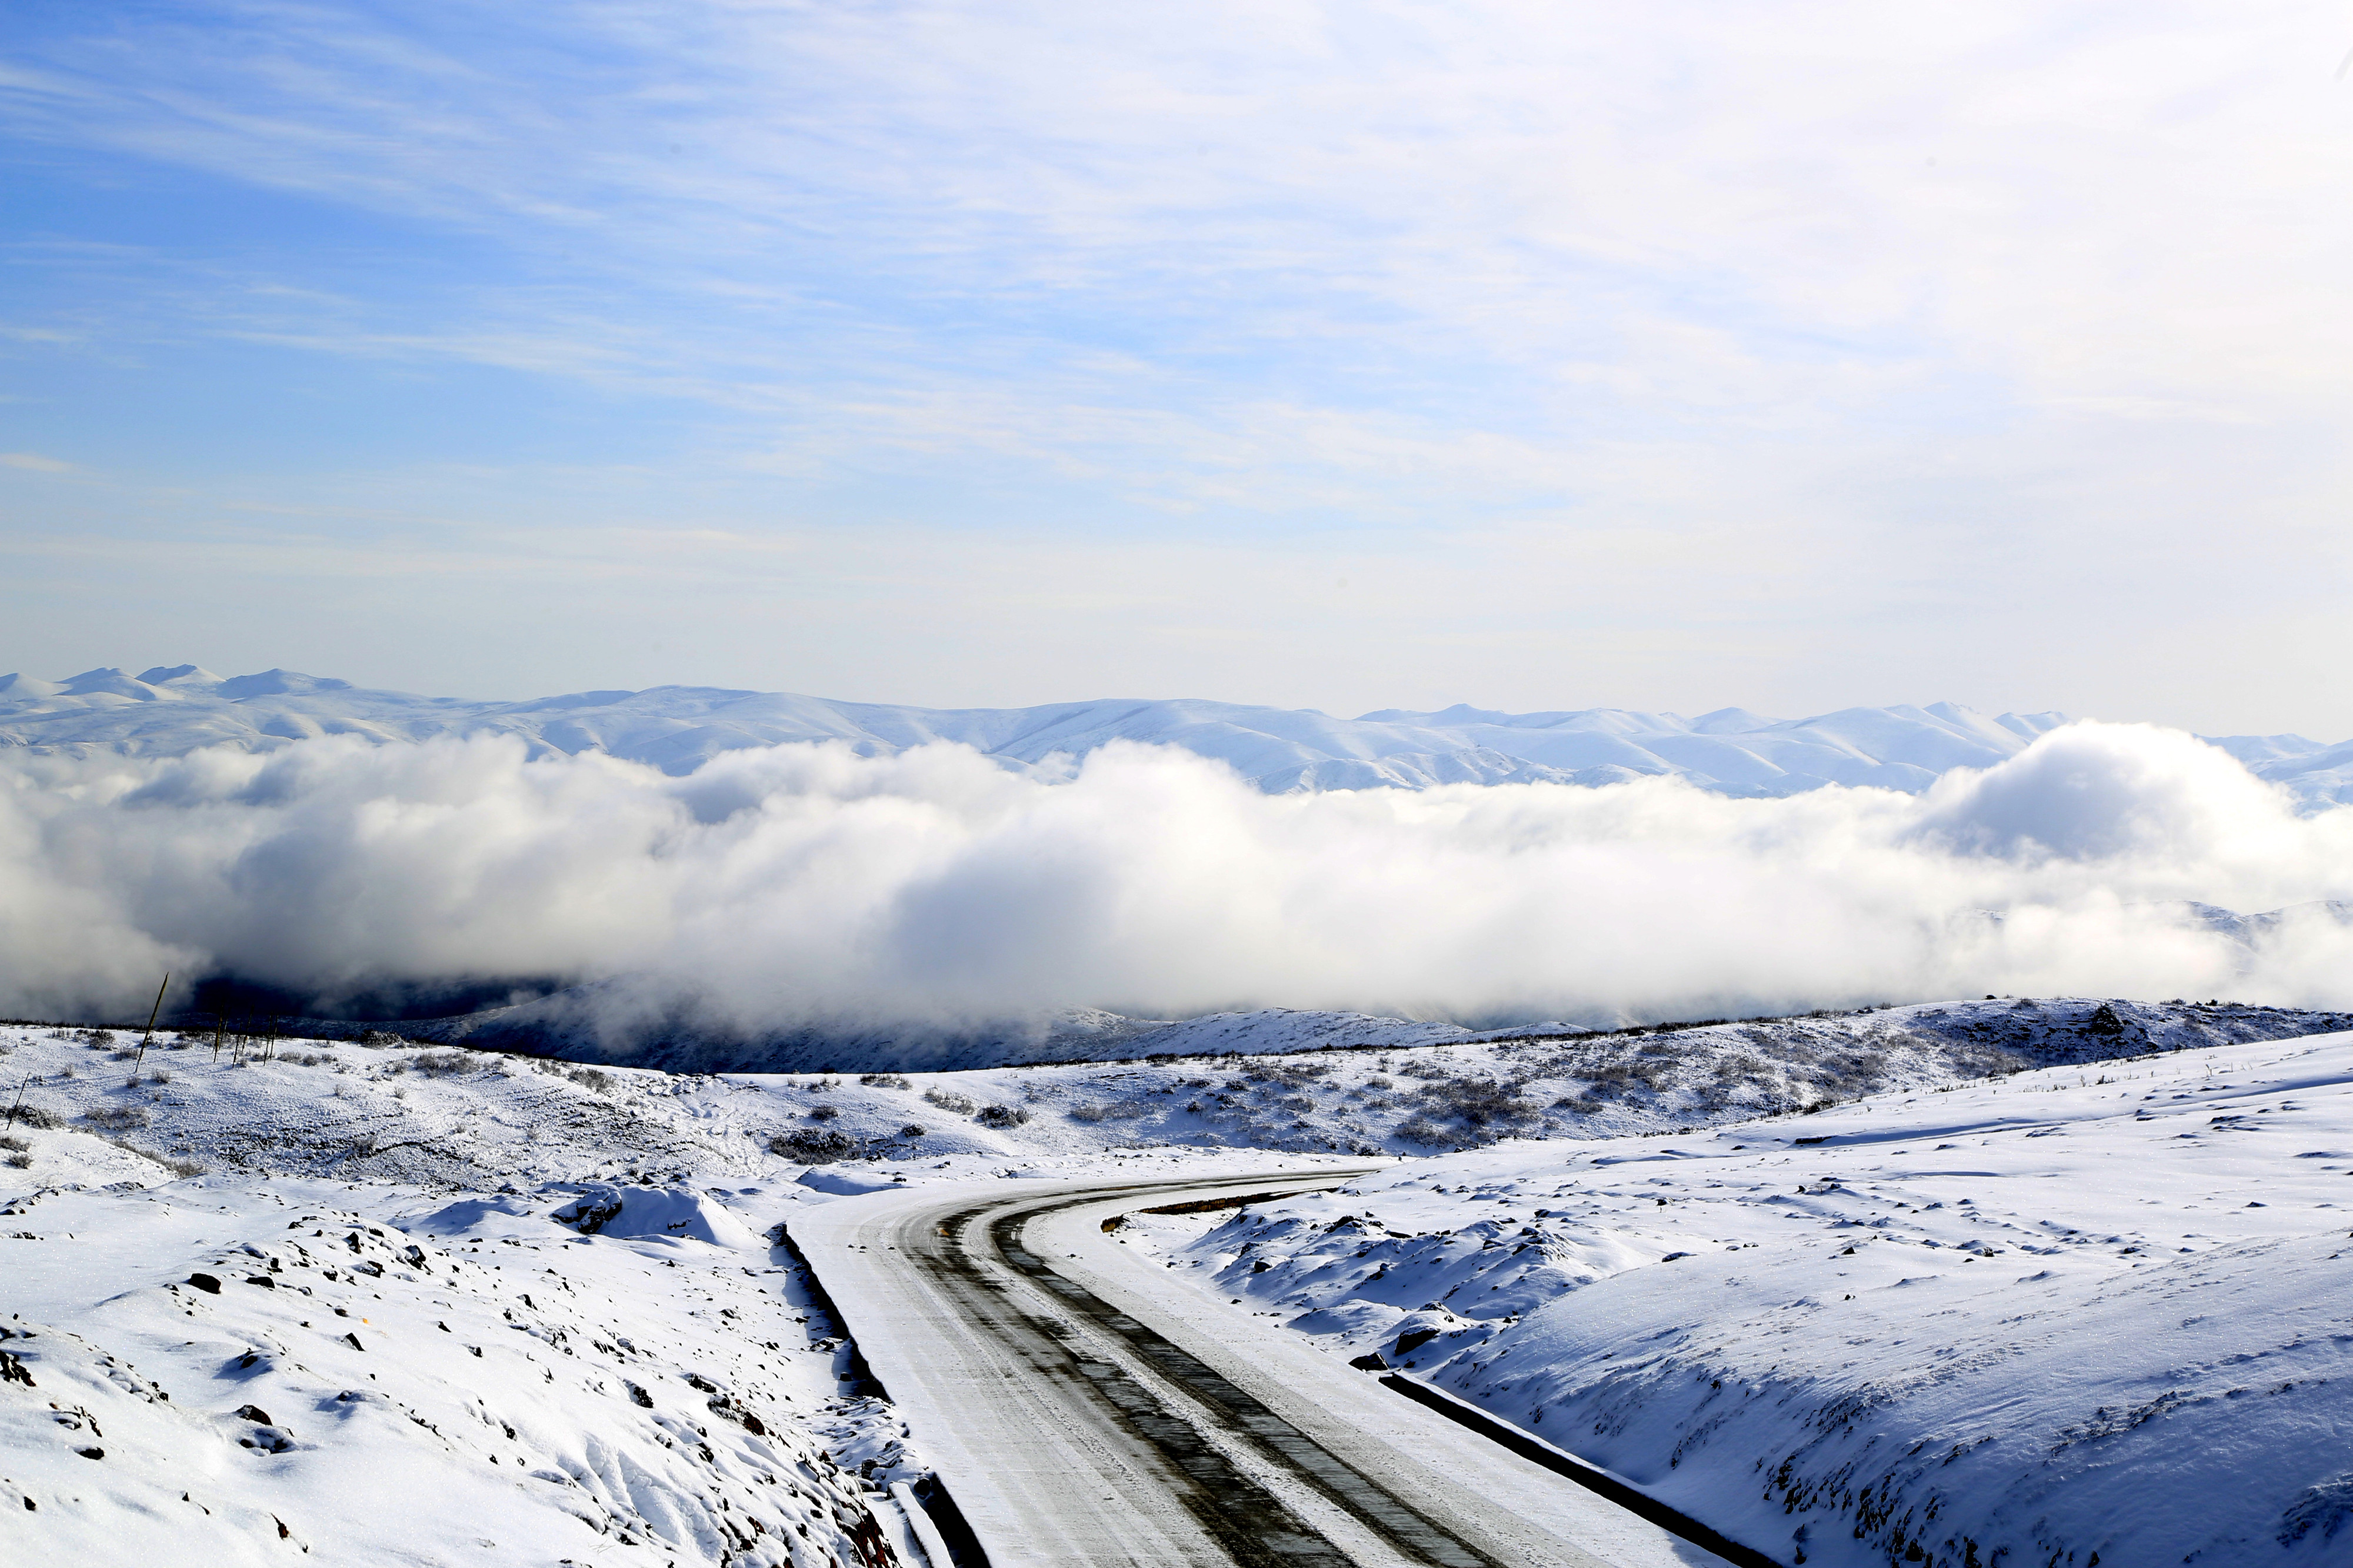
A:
(168, 712)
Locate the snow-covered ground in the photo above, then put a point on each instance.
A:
(171, 710)
(2084, 1314)
(230, 1369)
(569, 1024)
(1944, 1293)
(398, 1110)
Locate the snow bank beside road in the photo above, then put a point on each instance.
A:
(238, 1372)
(2078, 1311)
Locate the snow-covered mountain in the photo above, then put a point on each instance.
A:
(171, 710)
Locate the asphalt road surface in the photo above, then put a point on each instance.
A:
(1084, 1406)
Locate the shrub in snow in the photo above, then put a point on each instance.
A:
(948, 1100)
(1420, 1129)
(1113, 1111)
(884, 1081)
(824, 1114)
(380, 1037)
(913, 1130)
(812, 1145)
(38, 1116)
(1002, 1116)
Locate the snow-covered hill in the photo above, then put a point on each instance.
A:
(385, 1109)
(461, 1306)
(235, 1370)
(2074, 1316)
(171, 710)
(579, 1024)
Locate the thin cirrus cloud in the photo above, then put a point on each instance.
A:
(1930, 294)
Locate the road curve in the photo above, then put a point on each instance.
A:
(1085, 1407)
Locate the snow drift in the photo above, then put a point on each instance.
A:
(807, 882)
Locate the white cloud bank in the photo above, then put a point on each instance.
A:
(803, 882)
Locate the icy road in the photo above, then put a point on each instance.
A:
(1085, 1406)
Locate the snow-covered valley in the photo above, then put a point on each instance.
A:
(2040, 1276)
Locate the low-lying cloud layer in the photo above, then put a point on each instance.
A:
(804, 883)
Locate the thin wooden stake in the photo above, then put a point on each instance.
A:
(152, 1014)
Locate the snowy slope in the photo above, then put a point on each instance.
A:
(2073, 1315)
(231, 1372)
(574, 1024)
(380, 1305)
(1965, 1296)
(567, 1025)
(462, 1118)
(169, 710)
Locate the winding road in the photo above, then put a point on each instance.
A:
(1086, 1408)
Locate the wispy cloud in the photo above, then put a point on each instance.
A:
(1885, 303)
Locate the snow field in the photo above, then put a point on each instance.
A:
(396, 1112)
(374, 1375)
(1955, 1313)
(661, 1389)
(2079, 1314)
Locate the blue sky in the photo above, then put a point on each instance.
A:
(1533, 355)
